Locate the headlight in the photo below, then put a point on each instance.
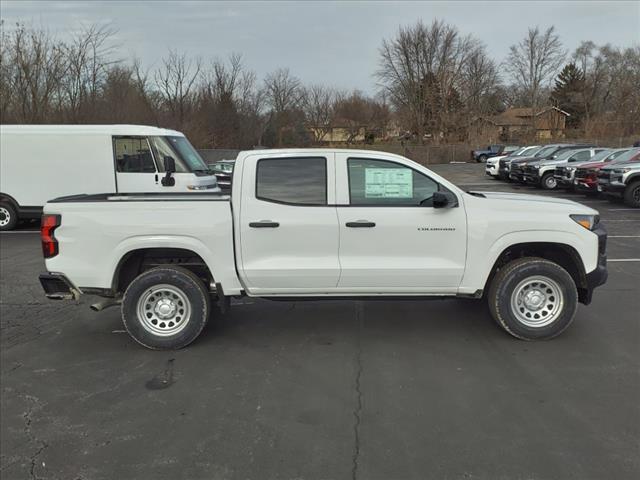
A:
(208, 186)
(570, 169)
(536, 167)
(587, 221)
(621, 170)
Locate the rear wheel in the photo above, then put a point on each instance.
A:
(8, 216)
(632, 195)
(533, 299)
(482, 158)
(165, 308)
(548, 181)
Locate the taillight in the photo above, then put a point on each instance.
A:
(49, 243)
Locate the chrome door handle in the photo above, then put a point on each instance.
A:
(264, 224)
(361, 224)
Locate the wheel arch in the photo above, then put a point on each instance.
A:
(5, 197)
(563, 254)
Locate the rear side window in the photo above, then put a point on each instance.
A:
(133, 155)
(294, 181)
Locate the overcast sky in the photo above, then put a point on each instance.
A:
(321, 42)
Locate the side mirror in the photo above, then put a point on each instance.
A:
(444, 200)
(169, 168)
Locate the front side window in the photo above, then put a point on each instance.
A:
(133, 155)
(381, 182)
(296, 181)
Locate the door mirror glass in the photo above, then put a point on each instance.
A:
(169, 168)
(444, 200)
(169, 164)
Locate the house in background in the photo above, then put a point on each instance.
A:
(519, 123)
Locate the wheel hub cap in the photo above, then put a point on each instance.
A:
(4, 216)
(164, 310)
(537, 301)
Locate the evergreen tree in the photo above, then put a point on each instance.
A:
(568, 94)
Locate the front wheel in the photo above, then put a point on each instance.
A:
(482, 159)
(8, 216)
(548, 181)
(632, 195)
(533, 299)
(165, 308)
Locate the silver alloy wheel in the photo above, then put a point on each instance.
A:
(164, 310)
(5, 217)
(537, 301)
(550, 182)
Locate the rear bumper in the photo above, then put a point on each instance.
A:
(599, 275)
(58, 287)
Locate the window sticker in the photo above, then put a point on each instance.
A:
(388, 183)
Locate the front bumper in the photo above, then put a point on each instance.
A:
(612, 188)
(599, 275)
(58, 287)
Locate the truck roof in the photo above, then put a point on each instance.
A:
(142, 130)
(315, 151)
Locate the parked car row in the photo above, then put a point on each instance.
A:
(583, 168)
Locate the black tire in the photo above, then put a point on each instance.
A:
(548, 181)
(517, 272)
(482, 159)
(8, 216)
(632, 194)
(189, 292)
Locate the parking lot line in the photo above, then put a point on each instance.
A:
(623, 259)
(623, 236)
(623, 210)
(19, 231)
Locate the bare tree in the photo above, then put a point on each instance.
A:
(89, 57)
(176, 81)
(36, 65)
(421, 70)
(283, 91)
(318, 106)
(534, 62)
(480, 82)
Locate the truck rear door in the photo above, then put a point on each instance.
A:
(288, 225)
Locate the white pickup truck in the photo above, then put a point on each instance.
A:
(323, 223)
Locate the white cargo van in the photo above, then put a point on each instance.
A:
(42, 162)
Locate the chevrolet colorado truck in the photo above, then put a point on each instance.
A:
(622, 180)
(321, 224)
(542, 173)
(493, 163)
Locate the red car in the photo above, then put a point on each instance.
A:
(586, 178)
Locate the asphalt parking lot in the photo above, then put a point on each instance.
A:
(324, 390)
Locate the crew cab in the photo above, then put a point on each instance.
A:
(542, 173)
(321, 224)
(586, 176)
(565, 173)
(622, 180)
(550, 152)
(492, 151)
(493, 164)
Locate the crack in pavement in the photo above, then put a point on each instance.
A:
(356, 413)
(32, 437)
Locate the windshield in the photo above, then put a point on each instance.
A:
(545, 152)
(629, 155)
(188, 154)
(613, 155)
(564, 155)
(602, 156)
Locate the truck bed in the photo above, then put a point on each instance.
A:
(97, 231)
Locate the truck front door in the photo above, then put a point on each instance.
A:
(288, 225)
(392, 239)
(135, 169)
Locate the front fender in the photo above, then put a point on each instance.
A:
(480, 260)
